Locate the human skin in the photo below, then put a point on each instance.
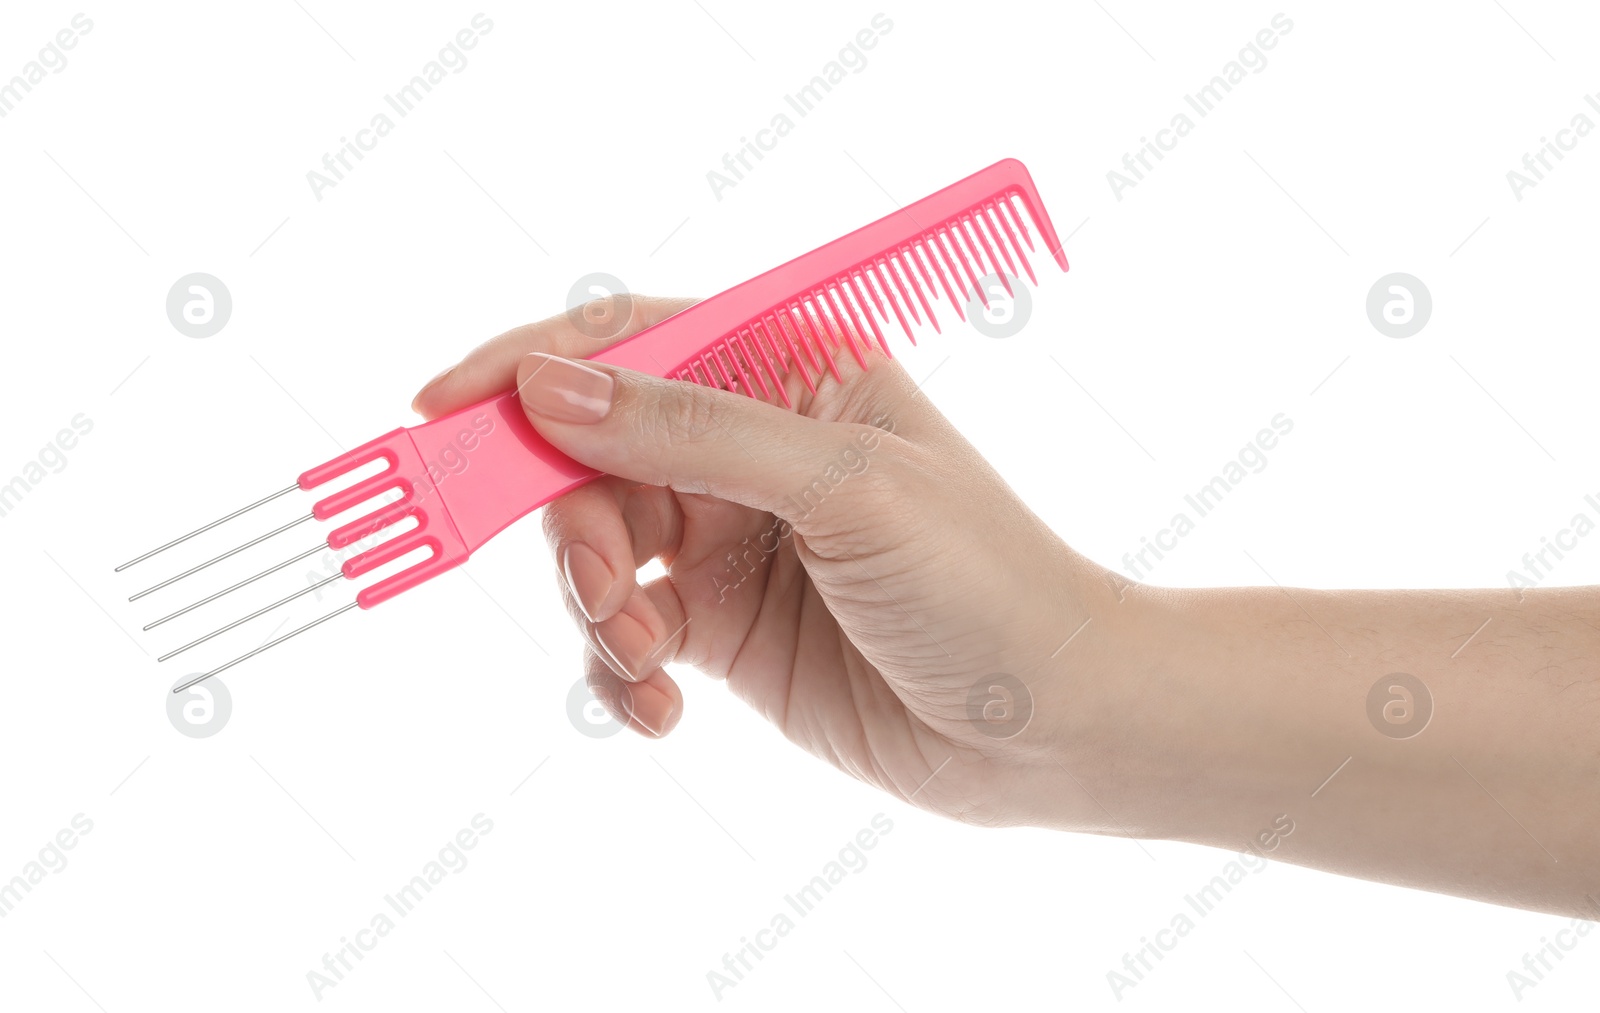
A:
(899, 592)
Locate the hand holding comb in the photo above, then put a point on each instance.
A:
(794, 318)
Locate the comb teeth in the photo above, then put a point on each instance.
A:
(906, 282)
(952, 244)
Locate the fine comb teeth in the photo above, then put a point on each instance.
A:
(464, 477)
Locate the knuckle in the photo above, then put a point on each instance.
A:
(551, 520)
(558, 519)
(688, 413)
(665, 420)
(603, 317)
(860, 475)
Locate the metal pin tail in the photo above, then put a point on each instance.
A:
(271, 643)
(319, 547)
(200, 531)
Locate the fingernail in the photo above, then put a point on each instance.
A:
(655, 720)
(587, 575)
(564, 390)
(431, 384)
(627, 642)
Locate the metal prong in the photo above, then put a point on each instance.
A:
(260, 611)
(225, 555)
(320, 547)
(271, 643)
(208, 527)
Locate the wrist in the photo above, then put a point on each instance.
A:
(1098, 754)
(1142, 726)
(1186, 720)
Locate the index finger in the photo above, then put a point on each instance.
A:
(491, 368)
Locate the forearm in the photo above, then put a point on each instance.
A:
(1244, 705)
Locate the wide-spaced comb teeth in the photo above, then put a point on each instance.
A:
(1022, 227)
(876, 273)
(975, 232)
(909, 278)
(931, 252)
(854, 279)
(952, 242)
(460, 479)
(992, 219)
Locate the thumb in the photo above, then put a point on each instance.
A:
(691, 438)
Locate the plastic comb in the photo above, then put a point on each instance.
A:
(796, 318)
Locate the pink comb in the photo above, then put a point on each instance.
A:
(745, 339)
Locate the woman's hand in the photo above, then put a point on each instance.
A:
(853, 568)
(859, 575)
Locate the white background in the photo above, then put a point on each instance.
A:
(1228, 286)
